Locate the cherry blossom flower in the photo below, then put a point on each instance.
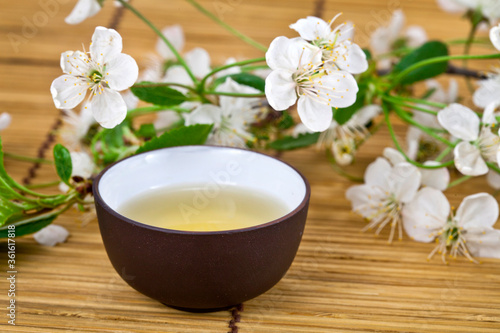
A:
(298, 75)
(487, 92)
(385, 192)
(5, 120)
(478, 146)
(468, 232)
(490, 9)
(343, 140)
(336, 44)
(51, 235)
(231, 118)
(495, 37)
(76, 127)
(384, 38)
(437, 178)
(104, 71)
(83, 10)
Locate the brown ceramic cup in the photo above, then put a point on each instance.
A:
(200, 271)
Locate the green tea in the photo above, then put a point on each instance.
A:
(204, 208)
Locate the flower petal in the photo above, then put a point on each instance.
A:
(364, 115)
(280, 90)
(198, 60)
(316, 116)
(377, 172)
(204, 114)
(175, 35)
(460, 121)
(290, 54)
(489, 113)
(83, 165)
(364, 199)
(351, 58)
(477, 211)
(483, 242)
(468, 160)
(493, 179)
(487, 92)
(5, 120)
(416, 36)
(311, 28)
(338, 88)
(413, 141)
(495, 37)
(393, 155)
(121, 72)
(51, 235)
(426, 214)
(83, 10)
(68, 91)
(166, 119)
(451, 6)
(109, 108)
(435, 178)
(106, 44)
(404, 181)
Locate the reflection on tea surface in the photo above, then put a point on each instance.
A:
(199, 207)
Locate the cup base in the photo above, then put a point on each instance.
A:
(225, 308)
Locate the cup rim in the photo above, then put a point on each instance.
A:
(104, 205)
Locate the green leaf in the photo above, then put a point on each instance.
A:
(155, 93)
(286, 121)
(62, 159)
(7, 209)
(246, 79)
(30, 226)
(181, 136)
(368, 54)
(341, 116)
(428, 50)
(290, 142)
(146, 131)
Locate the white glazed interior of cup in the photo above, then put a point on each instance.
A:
(211, 166)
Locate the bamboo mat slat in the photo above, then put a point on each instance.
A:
(341, 280)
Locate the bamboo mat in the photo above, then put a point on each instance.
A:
(341, 281)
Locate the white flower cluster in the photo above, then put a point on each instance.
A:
(315, 69)
(391, 196)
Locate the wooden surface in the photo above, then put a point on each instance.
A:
(341, 281)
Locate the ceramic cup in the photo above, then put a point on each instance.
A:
(200, 271)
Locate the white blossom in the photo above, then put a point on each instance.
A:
(490, 9)
(336, 44)
(51, 235)
(478, 146)
(298, 74)
(77, 126)
(495, 37)
(487, 92)
(385, 192)
(104, 71)
(438, 178)
(231, 119)
(83, 10)
(383, 38)
(343, 140)
(468, 232)
(5, 120)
